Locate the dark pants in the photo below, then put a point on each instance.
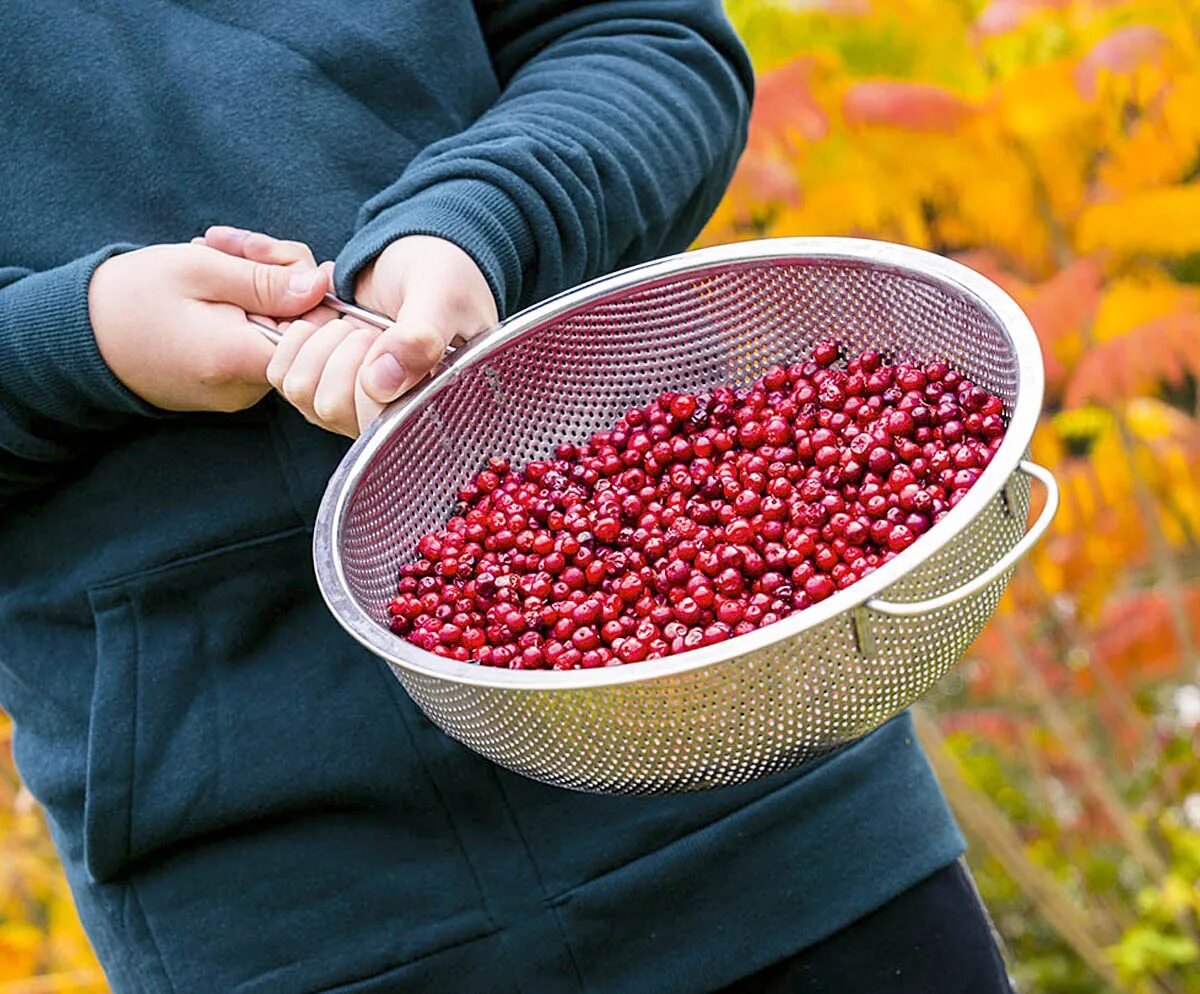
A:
(935, 938)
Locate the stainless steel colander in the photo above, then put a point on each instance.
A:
(754, 705)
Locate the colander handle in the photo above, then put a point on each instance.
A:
(908, 609)
(373, 318)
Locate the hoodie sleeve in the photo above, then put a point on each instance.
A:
(615, 134)
(55, 388)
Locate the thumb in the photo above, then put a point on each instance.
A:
(401, 356)
(259, 288)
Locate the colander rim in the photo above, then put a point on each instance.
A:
(903, 260)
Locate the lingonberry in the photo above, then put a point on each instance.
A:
(825, 353)
(697, 518)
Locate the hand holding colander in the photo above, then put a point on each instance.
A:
(568, 367)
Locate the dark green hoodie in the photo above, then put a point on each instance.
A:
(243, 799)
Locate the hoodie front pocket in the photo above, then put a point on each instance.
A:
(249, 762)
(111, 738)
(175, 647)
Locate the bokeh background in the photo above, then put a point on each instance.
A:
(1054, 145)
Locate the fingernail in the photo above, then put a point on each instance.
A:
(237, 234)
(301, 282)
(385, 377)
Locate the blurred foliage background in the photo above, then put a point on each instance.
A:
(1053, 145)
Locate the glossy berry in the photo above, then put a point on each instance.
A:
(698, 518)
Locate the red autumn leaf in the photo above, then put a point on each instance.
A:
(1057, 308)
(785, 108)
(1004, 15)
(1136, 637)
(1060, 308)
(987, 263)
(764, 179)
(912, 106)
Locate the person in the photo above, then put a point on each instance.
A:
(243, 799)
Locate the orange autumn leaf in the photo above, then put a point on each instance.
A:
(1135, 638)
(1059, 309)
(987, 263)
(1062, 305)
(1042, 103)
(1139, 295)
(765, 179)
(1159, 147)
(1159, 351)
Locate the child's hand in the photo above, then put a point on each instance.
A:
(171, 322)
(340, 374)
(436, 292)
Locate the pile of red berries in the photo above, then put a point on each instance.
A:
(698, 518)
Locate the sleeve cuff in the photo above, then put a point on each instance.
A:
(52, 366)
(481, 219)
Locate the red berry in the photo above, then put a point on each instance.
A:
(683, 406)
(900, 423)
(630, 587)
(585, 638)
(777, 431)
(900, 537)
(819, 587)
(687, 611)
(696, 519)
(825, 353)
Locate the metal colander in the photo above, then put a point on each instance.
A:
(754, 705)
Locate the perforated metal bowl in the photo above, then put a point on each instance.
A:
(571, 366)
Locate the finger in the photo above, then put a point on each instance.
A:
(224, 238)
(324, 312)
(400, 357)
(317, 316)
(366, 408)
(304, 375)
(257, 288)
(334, 402)
(406, 352)
(277, 252)
(321, 314)
(251, 360)
(258, 247)
(294, 336)
(459, 314)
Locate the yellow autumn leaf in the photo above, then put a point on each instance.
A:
(1163, 221)
(1160, 147)
(1178, 110)
(19, 945)
(1139, 296)
(1041, 102)
(999, 207)
(1152, 421)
